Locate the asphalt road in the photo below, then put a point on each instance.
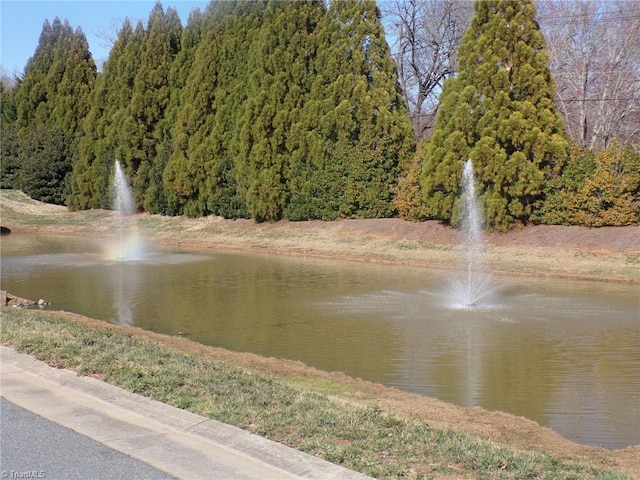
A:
(33, 447)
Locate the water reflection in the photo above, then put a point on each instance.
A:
(565, 354)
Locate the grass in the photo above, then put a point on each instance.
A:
(300, 413)
(19, 208)
(327, 387)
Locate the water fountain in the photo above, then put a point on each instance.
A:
(473, 285)
(128, 245)
(469, 344)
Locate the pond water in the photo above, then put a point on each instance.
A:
(563, 353)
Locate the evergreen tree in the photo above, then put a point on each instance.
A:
(31, 98)
(178, 76)
(226, 192)
(10, 165)
(72, 98)
(182, 182)
(52, 100)
(357, 132)
(120, 123)
(45, 163)
(9, 148)
(98, 149)
(58, 80)
(281, 70)
(149, 100)
(8, 113)
(499, 112)
(200, 176)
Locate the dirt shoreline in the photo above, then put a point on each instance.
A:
(611, 255)
(608, 254)
(601, 254)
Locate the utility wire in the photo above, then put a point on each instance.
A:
(570, 100)
(573, 100)
(591, 14)
(592, 21)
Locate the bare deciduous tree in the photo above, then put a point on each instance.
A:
(108, 37)
(424, 37)
(594, 51)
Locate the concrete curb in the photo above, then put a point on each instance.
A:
(175, 441)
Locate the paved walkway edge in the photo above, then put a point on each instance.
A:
(175, 441)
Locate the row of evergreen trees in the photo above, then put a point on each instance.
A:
(267, 110)
(286, 109)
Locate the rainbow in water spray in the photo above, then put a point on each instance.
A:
(128, 246)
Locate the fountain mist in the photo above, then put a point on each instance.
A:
(128, 246)
(124, 204)
(473, 285)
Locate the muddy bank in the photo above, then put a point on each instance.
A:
(604, 254)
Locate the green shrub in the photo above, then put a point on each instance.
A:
(595, 190)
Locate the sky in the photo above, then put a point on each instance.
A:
(21, 23)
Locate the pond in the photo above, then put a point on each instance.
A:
(565, 354)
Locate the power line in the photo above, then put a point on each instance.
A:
(590, 14)
(570, 100)
(592, 21)
(574, 100)
(592, 72)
